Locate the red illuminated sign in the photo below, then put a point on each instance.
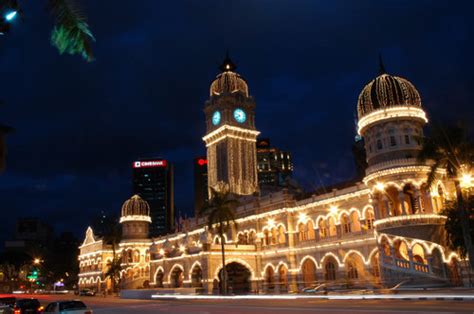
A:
(149, 164)
(201, 162)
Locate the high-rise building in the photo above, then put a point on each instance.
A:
(201, 192)
(231, 134)
(274, 166)
(153, 181)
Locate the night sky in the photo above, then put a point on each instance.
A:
(80, 125)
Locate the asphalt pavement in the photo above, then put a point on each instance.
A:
(112, 305)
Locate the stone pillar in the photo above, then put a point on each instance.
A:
(401, 198)
(375, 205)
(417, 196)
(293, 286)
(387, 206)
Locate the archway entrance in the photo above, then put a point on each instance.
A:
(177, 278)
(238, 278)
(196, 277)
(159, 279)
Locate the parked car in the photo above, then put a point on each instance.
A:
(68, 307)
(27, 306)
(317, 289)
(6, 305)
(87, 292)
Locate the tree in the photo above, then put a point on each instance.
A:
(450, 149)
(455, 237)
(220, 218)
(71, 33)
(112, 235)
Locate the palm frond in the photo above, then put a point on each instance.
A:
(71, 33)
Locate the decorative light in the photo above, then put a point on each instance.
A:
(10, 15)
(466, 181)
(302, 217)
(271, 223)
(182, 248)
(390, 113)
(162, 252)
(333, 209)
(36, 261)
(380, 186)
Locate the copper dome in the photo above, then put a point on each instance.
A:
(135, 206)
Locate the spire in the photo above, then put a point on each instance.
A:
(227, 64)
(381, 66)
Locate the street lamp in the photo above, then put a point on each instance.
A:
(37, 261)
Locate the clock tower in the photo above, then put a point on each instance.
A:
(231, 135)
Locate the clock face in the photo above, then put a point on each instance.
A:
(239, 115)
(216, 118)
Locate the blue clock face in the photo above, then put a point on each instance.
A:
(239, 115)
(216, 118)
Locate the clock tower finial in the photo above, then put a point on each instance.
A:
(227, 64)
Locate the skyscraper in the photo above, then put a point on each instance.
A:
(274, 166)
(201, 194)
(153, 181)
(231, 133)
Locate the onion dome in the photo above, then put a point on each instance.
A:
(228, 81)
(387, 91)
(135, 206)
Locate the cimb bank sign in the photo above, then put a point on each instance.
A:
(149, 164)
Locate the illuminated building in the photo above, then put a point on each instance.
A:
(153, 181)
(274, 166)
(201, 193)
(382, 230)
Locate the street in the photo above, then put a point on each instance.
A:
(116, 305)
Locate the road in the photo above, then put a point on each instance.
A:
(115, 305)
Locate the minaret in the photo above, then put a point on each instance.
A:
(231, 135)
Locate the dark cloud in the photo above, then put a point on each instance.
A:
(79, 125)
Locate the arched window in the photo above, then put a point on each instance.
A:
(281, 235)
(418, 254)
(323, 231)
(385, 247)
(251, 237)
(330, 269)
(269, 278)
(274, 235)
(310, 230)
(283, 278)
(332, 227)
(401, 250)
(301, 232)
(346, 225)
(355, 223)
(266, 237)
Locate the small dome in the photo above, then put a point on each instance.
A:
(135, 206)
(387, 91)
(228, 82)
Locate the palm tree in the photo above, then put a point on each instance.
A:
(71, 33)
(454, 233)
(450, 149)
(112, 235)
(220, 218)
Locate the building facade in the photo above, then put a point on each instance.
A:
(385, 229)
(153, 180)
(274, 165)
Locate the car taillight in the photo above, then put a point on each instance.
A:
(41, 309)
(17, 311)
